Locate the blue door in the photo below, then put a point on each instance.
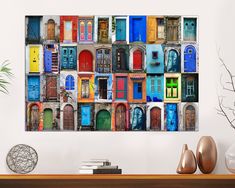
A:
(173, 62)
(33, 28)
(47, 60)
(190, 29)
(69, 82)
(121, 29)
(72, 58)
(137, 90)
(68, 58)
(190, 59)
(33, 88)
(86, 115)
(138, 119)
(171, 117)
(137, 29)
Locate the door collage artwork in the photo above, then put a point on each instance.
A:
(111, 73)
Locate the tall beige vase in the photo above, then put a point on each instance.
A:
(206, 154)
(187, 164)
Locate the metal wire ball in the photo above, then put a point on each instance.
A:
(22, 159)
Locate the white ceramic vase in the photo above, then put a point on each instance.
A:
(230, 158)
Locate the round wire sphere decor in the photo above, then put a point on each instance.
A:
(22, 159)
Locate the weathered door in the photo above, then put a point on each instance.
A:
(103, 88)
(138, 119)
(47, 61)
(171, 117)
(34, 58)
(103, 121)
(68, 117)
(190, 118)
(51, 88)
(33, 88)
(137, 60)
(172, 29)
(121, 59)
(47, 119)
(68, 30)
(120, 29)
(120, 118)
(68, 58)
(85, 61)
(85, 89)
(34, 117)
(86, 115)
(190, 59)
(103, 30)
(152, 29)
(137, 29)
(155, 118)
(33, 30)
(51, 29)
(137, 90)
(190, 29)
(103, 60)
(173, 61)
(121, 88)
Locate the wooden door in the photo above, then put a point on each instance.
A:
(102, 88)
(47, 61)
(34, 59)
(121, 59)
(190, 59)
(85, 61)
(103, 121)
(51, 88)
(51, 29)
(155, 118)
(68, 117)
(86, 115)
(137, 60)
(190, 118)
(190, 29)
(34, 117)
(103, 30)
(120, 29)
(68, 30)
(47, 119)
(152, 29)
(85, 90)
(138, 119)
(33, 88)
(172, 29)
(120, 118)
(33, 29)
(103, 60)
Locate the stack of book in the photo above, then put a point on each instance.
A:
(99, 166)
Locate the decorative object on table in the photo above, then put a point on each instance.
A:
(5, 75)
(187, 164)
(206, 154)
(230, 159)
(99, 166)
(22, 159)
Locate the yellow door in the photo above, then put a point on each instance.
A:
(34, 59)
(152, 25)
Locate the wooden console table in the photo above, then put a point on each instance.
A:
(117, 181)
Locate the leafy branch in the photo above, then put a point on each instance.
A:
(5, 75)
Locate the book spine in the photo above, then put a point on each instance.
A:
(107, 171)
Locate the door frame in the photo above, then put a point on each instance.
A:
(127, 28)
(133, 48)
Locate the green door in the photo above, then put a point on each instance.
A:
(103, 121)
(47, 119)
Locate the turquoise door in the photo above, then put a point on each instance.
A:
(190, 29)
(86, 115)
(33, 88)
(121, 29)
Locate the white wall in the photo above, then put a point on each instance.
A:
(134, 152)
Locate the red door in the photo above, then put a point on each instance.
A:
(155, 118)
(85, 61)
(68, 118)
(137, 60)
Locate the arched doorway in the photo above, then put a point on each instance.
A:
(103, 121)
(190, 59)
(155, 118)
(190, 118)
(85, 61)
(51, 29)
(138, 119)
(48, 119)
(173, 61)
(68, 117)
(120, 117)
(137, 59)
